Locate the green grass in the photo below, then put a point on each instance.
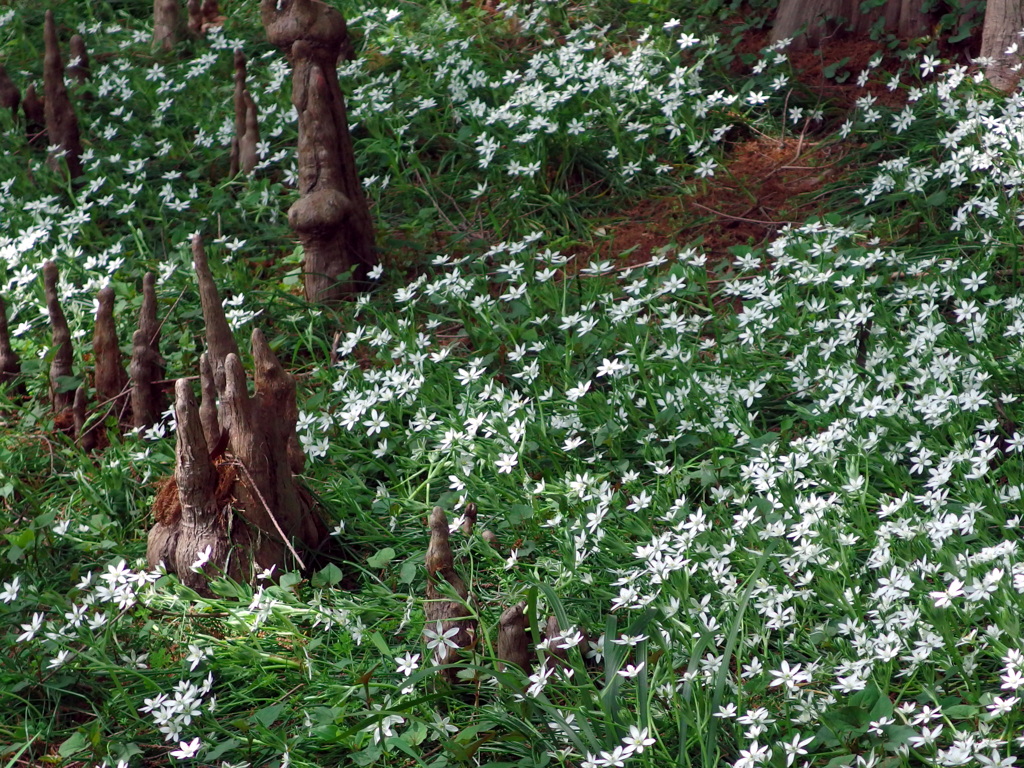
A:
(779, 496)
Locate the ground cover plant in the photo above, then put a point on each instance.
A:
(769, 489)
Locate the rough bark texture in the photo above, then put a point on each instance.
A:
(557, 654)
(331, 218)
(10, 96)
(244, 157)
(208, 406)
(245, 505)
(61, 122)
(197, 522)
(110, 378)
(88, 439)
(195, 17)
(219, 340)
(63, 353)
(35, 116)
(78, 67)
(444, 614)
(10, 364)
(811, 22)
(1004, 19)
(147, 367)
(248, 149)
(469, 518)
(165, 24)
(211, 15)
(513, 645)
(260, 429)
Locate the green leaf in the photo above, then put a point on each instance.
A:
(73, 744)
(831, 70)
(268, 715)
(408, 573)
(380, 645)
(961, 712)
(366, 756)
(221, 749)
(382, 558)
(326, 577)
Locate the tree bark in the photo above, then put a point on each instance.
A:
(444, 614)
(147, 367)
(252, 513)
(220, 341)
(513, 642)
(1004, 19)
(165, 24)
(109, 377)
(35, 116)
(61, 121)
(78, 68)
(63, 353)
(10, 363)
(10, 96)
(331, 218)
(809, 23)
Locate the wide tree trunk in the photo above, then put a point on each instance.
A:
(1004, 19)
(810, 23)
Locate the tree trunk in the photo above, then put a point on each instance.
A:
(810, 23)
(1004, 19)
(165, 24)
(331, 218)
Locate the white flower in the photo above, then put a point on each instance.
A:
(440, 640)
(375, 423)
(506, 463)
(408, 663)
(638, 739)
(187, 749)
(632, 670)
(10, 590)
(202, 559)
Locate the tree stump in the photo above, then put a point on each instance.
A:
(513, 645)
(240, 500)
(78, 67)
(10, 363)
(61, 396)
(146, 369)
(331, 218)
(35, 116)
(202, 16)
(220, 341)
(10, 96)
(110, 378)
(61, 122)
(446, 617)
(244, 155)
(88, 439)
